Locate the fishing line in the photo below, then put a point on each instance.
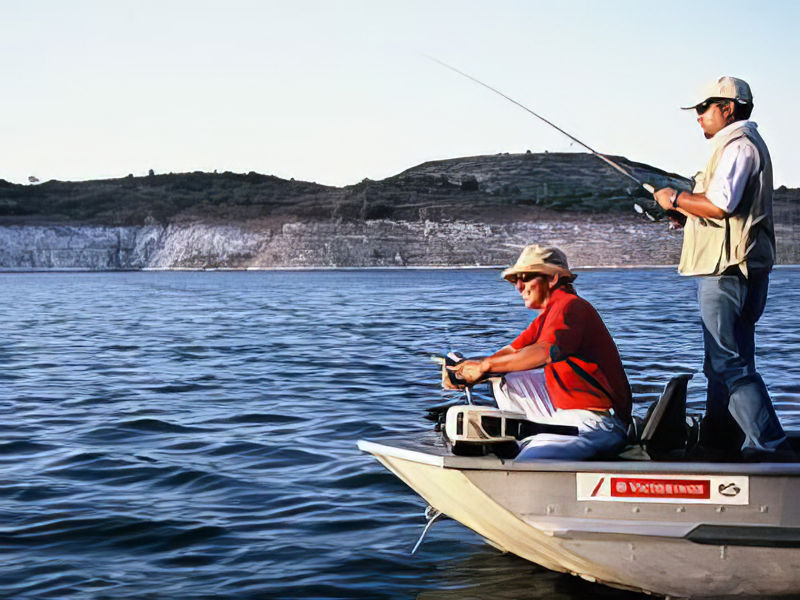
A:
(650, 189)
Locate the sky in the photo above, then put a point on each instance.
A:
(338, 91)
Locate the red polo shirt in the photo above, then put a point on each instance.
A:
(586, 371)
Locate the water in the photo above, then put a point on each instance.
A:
(192, 435)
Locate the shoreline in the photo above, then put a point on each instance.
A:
(323, 268)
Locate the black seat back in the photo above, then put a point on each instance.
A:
(665, 432)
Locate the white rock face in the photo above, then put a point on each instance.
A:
(206, 246)
(329, 243)
(63, 247)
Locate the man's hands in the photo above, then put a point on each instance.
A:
(503, 361)
(469, 370)
(664, 197)
(691, 205)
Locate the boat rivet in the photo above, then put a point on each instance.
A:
(763, 509)
(550, 509)
(635, 509)
(720, 509)
(681, 509)
(587, 510)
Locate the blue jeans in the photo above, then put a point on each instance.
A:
(737, 402)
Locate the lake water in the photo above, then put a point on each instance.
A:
(192, 435)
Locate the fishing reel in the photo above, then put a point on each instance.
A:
(656, 213)
(676, 216)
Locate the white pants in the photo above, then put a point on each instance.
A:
(599, 433)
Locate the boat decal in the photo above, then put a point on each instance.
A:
(597, 487)
(697, 489)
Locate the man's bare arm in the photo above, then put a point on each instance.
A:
(691, 205)
(504, 360)
(529, 357)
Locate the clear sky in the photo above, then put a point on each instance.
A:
(336, 91)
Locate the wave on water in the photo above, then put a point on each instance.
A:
(192, 435)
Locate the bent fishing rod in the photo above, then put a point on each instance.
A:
(650, 189)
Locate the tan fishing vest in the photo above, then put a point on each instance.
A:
(746, 237)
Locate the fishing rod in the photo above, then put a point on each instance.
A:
(650, 189)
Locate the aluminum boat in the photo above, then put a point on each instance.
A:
(675, 528)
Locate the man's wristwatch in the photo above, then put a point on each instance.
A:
(674, 198)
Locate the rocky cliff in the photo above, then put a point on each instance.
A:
(469, 211)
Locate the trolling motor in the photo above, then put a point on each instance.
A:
(481, 430)
(473, 430)
(437, 412)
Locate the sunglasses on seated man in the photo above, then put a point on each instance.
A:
(524, 277)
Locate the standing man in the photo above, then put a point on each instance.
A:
(729, 244)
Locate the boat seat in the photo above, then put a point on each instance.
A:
(664, 433)
(794, 440)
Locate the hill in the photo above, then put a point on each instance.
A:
(465, 211)
(471, 187)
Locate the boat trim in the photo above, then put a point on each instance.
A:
(746, 535)
(581, 528)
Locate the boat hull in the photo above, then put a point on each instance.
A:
(685, 530)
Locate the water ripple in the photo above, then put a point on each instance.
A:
(191, 435)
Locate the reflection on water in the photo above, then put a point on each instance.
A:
(193, 434)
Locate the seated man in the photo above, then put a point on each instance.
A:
(579, 379)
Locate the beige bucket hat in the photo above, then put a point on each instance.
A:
(729, 88)
(540, 259)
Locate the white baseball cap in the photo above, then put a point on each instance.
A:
(725, 88)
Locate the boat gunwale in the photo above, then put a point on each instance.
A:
(439, 457)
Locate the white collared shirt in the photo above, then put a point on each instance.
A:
(738, 162)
